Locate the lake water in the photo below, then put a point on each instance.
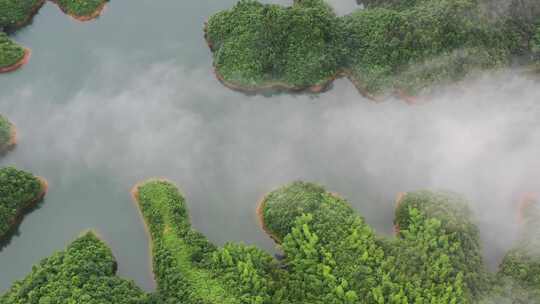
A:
(102, 105)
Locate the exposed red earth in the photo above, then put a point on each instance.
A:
(135, 200)
(260, 217)
(18, 64)
(30, 205)
(12, 141)
(318, 88)
(85, 18)
(525, 202)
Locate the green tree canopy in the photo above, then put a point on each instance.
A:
(5, 132)
(19, 190)
(14, 13)
(10, 52)
(84, 274)
(330, 255)
(390, 45)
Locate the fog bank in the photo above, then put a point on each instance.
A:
(97, 112)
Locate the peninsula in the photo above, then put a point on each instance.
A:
(8, 135)
(330, 255)
(20, 191)
(401, 48)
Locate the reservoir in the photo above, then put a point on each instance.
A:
(132, 95)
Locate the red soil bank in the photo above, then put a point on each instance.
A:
(34, 11)
(85, 18)
(260, 217)
(29, 206)
(527, 200)
(135, 199)
(319, 88)
(410, 99)
(12, 141)
(20, 63)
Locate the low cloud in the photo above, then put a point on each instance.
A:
(225, 149)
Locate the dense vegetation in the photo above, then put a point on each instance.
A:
(84, 274)
(15, 13)
(188, 268)
(10, 52)
(5, 134)
(391, 45)
(255, 43)
(536, 45)
(19, 190)
(334, 257)
(81, 7)
(330, 256)
(520, 267)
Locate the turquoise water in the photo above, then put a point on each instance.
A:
(102, 105)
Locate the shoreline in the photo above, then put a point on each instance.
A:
(83, 18)
(324, 86)
(347, 73)
(29, 206)
(12, 142)
(315, 89)
(277, 86)
(260, 218)
(134, 192)
(44, 189)
(24, 60)
(33, 12)
(95, 232)
(270, 86)
(412, 100)
(13, 138)
(526, 200)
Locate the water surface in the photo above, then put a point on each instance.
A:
(130, 96)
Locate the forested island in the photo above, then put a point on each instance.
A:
(20, 191)
(8, 135)
(330, 255)
(12, 55)
(401, 47)
(82, 10)
(15, 14)
(84, 273)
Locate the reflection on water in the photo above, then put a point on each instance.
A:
(105, 104)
